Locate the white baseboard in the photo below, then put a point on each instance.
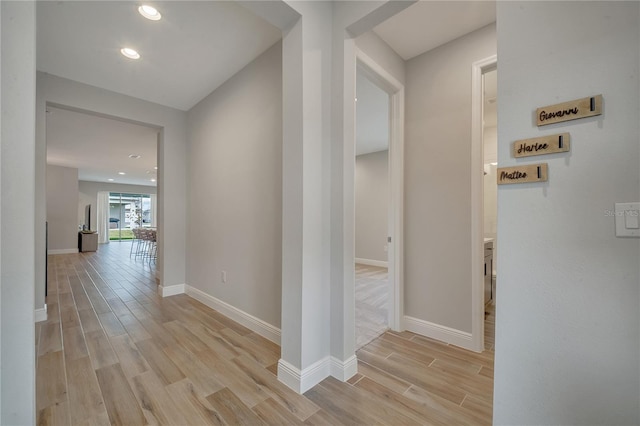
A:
(41, 314)
(171, 290)
(62, 251)
(371, 262)
(439, 332)
(344, 370)
(302, 381)
(254, 324)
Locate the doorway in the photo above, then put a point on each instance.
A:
(391, 92)
(490, 195)
(483, 167)
(371, 210)
(114, 166)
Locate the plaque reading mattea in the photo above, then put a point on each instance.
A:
(523, 174)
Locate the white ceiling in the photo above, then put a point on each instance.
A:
(100, 147)
(426, 25)
(194, 48)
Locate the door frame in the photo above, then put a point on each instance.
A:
(477, 199)
(383, 79)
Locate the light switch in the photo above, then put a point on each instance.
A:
(627, 219)
(631, 219)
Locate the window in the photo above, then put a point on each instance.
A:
(126, 212)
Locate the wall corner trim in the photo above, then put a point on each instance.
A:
(171, 290)
(303, 380)
(443, 333)
(62, 251)
(371, 262)
(41, 314)
(254, 324)
(344, 370)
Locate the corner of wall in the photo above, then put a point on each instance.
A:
(443, 333)
(171, 290)
(41, 314)
(344, 370)
(254, 324)
(303, 380)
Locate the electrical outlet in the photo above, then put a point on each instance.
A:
(223, 277)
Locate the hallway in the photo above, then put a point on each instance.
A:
(114, 352)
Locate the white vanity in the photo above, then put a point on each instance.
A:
(489, 286)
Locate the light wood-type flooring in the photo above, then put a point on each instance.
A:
(372, 303)
(113, 352)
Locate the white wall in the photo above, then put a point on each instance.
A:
(438, 180)
(17, 253)
(88, 194)
(306, 80)
(490, 141)
(372, 115)
(372, 205)
(567, 330)
(235, 190)
(62, 207)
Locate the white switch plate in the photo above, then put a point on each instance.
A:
(627, 219)
(631, 220)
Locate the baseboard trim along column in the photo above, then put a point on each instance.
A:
(41, 314)
(439, 332)
(171, 290)
(302, 381)
(344, 370)
(254, 324)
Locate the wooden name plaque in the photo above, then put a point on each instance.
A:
(543, 145)
(572, 110)
(522, 174)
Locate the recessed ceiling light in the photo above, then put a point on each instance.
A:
(121, 173)
(135, 156)
(130, 53)
(152, 180)
(110, 180)
(155, 168)
(149, 12)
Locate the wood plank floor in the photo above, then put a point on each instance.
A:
(113, 352)
(372, 299)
